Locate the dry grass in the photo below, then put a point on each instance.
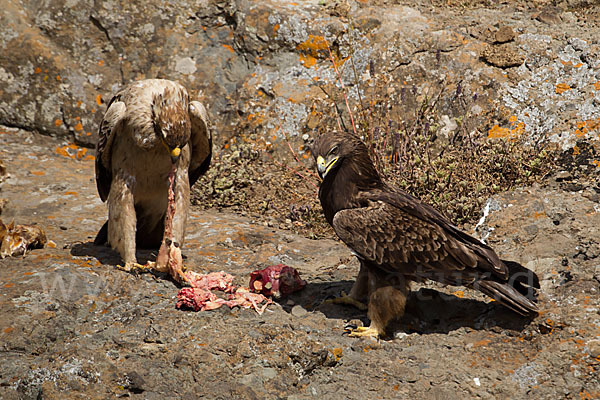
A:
(426, 140)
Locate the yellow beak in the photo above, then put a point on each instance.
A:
(324, 167)
(175, 153)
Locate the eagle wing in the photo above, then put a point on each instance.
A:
(201, 141)
(111, 124)
(409, 237)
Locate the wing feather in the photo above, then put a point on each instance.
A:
(201, 141)
(110, 126)
(398, 241)
(463, 248)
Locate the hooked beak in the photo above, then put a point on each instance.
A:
(175, 153)
(323, 167)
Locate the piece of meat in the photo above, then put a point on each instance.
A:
(214, 280)
(17, 239)
(169, 257)
(243, 297)
(198, 299)
(276, 280)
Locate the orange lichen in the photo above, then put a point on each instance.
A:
(38, 173)
(497, 132)
(596, 85)
(576, 150)
(57, 122)
(337, 353)
(58, 78)
(101, 63)
(459, 293)
(8, 330)
(71, 194)
(310, 50)
(74, 152)
(228, 47)
(37, 70)
(562, 87)
(578, 65)
(78, 127)
(275, 28)
(99, 100)
(483, 342)
(517, 129)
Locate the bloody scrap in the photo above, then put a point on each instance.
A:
(17, 239)
(276, 280)
(199, 297)
(280, 279)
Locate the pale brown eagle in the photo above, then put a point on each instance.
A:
(399, 239)
(154, 143)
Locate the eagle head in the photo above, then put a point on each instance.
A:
(171, 121)
(335, 151)
(329, 150)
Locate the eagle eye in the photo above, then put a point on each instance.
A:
(333, 151)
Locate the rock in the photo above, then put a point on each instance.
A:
(563, 176)
(594, 348)
(504, 34)
(298, 311)
(505, 55)
(549, 15)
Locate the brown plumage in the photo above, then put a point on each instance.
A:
(399, 239)
(154, 143)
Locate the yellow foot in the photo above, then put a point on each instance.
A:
(135, 267)
(347, 300)
(363, 331)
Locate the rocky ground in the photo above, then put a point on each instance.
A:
(73, 325)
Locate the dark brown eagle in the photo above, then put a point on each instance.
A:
(154, 144)
(399, 239)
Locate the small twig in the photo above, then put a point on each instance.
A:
(292, 170)
(343, 88)
(294, 153)
(337, 117)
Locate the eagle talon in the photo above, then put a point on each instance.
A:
(134, 267)
(362, 331)
(347, 300)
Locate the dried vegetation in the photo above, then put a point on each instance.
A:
(434, 141)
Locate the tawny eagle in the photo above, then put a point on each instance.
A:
(399, 239)
(154, 143)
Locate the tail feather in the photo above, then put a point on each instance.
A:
(518, 292)
(508, 296)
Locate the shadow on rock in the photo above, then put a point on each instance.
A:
(427, 310)
(431, 311)
(314, 295)
(106, 255)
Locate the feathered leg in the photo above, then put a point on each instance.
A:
(387, 299)
(357, 294)
(122, 220)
